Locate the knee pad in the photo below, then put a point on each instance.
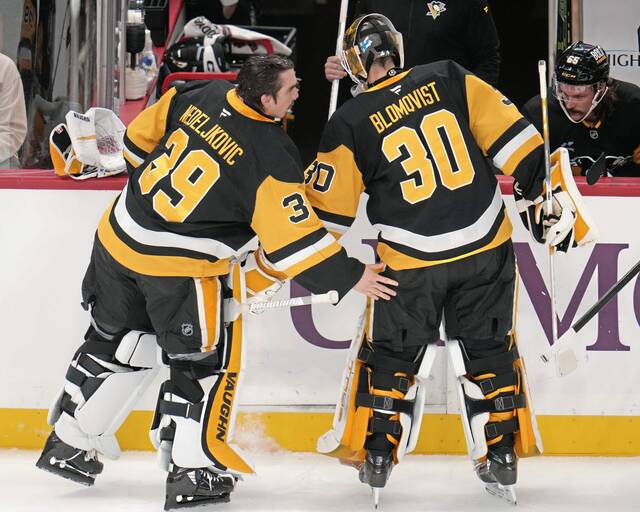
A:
(106, 377)
(196, 410)
(374, 383)
(493, 403)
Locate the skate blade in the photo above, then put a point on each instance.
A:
(504, 492)
(197, 501)
(67, 475)
(376, 497)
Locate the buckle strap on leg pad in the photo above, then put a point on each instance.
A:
(387, 381)
(499, 428)
(384, 403)
(389, 364)
(184, 410)
(180, 384)
(382, 426)
(500, 404)
(488, 364)
(494, 383)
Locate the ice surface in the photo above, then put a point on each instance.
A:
(289, 481)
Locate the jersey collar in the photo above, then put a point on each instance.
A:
(242, 108)
(392, 77)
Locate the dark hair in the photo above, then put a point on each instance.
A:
(608, 103)
(261, 75)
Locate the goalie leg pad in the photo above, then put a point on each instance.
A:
(195, 415)
(105, 379)
(381, 403)
(494, 405)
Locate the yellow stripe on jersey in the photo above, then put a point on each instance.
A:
(399, 261)
(490, 113)
(339, 192)
(284, 205)
(150, 125)
(155, 265)
(242, 108)
(132, 159)
(388, 81)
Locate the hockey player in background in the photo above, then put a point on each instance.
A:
(210, 172)
(460, 30)
(591, 113)
(419, 142)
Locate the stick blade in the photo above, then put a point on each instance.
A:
(597, 169)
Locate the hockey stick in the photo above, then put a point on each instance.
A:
(564, 352)
(330, 297)
(335, 85)
(604, 300)
(542, 74)
(597, 169)
(232, 308)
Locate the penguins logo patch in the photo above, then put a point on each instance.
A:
(436, 9)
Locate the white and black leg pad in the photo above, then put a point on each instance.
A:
(103, 382)
(475, 408)
(195, 416)
(411, 423)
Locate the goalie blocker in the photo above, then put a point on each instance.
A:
(569, 224)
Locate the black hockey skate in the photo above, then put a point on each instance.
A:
(500, 472)
(191, 487)
(376, 471)
(72, 463)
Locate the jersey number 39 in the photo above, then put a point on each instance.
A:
(192, 178)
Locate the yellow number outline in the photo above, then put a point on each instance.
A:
(421, 183)
(191, 191)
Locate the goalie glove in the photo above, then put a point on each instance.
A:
(262, 280)
(568, 224)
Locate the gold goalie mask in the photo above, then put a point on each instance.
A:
(369, 38)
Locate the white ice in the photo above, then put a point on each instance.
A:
(289, 481)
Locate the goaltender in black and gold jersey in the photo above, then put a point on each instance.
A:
(422, 144)
(207, 173)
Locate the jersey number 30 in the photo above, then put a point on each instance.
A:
(448, 150)
(192, 178)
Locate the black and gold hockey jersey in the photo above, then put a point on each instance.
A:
(419, 143)
(617, 135)
(206, 175)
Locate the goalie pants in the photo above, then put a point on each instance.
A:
(476, 297)
(183, 312)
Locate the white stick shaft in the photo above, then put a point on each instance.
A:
(335, 85)
(325, 298)
(542, 74)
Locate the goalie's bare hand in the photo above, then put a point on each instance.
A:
(372, 284)
(333, 69)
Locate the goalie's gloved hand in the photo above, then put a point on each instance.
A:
(558, 224)
(555, 227)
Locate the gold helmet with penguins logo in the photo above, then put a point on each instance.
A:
(370, 37)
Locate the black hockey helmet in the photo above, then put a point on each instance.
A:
(370, 37)
(581, 67)
(582, 64)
